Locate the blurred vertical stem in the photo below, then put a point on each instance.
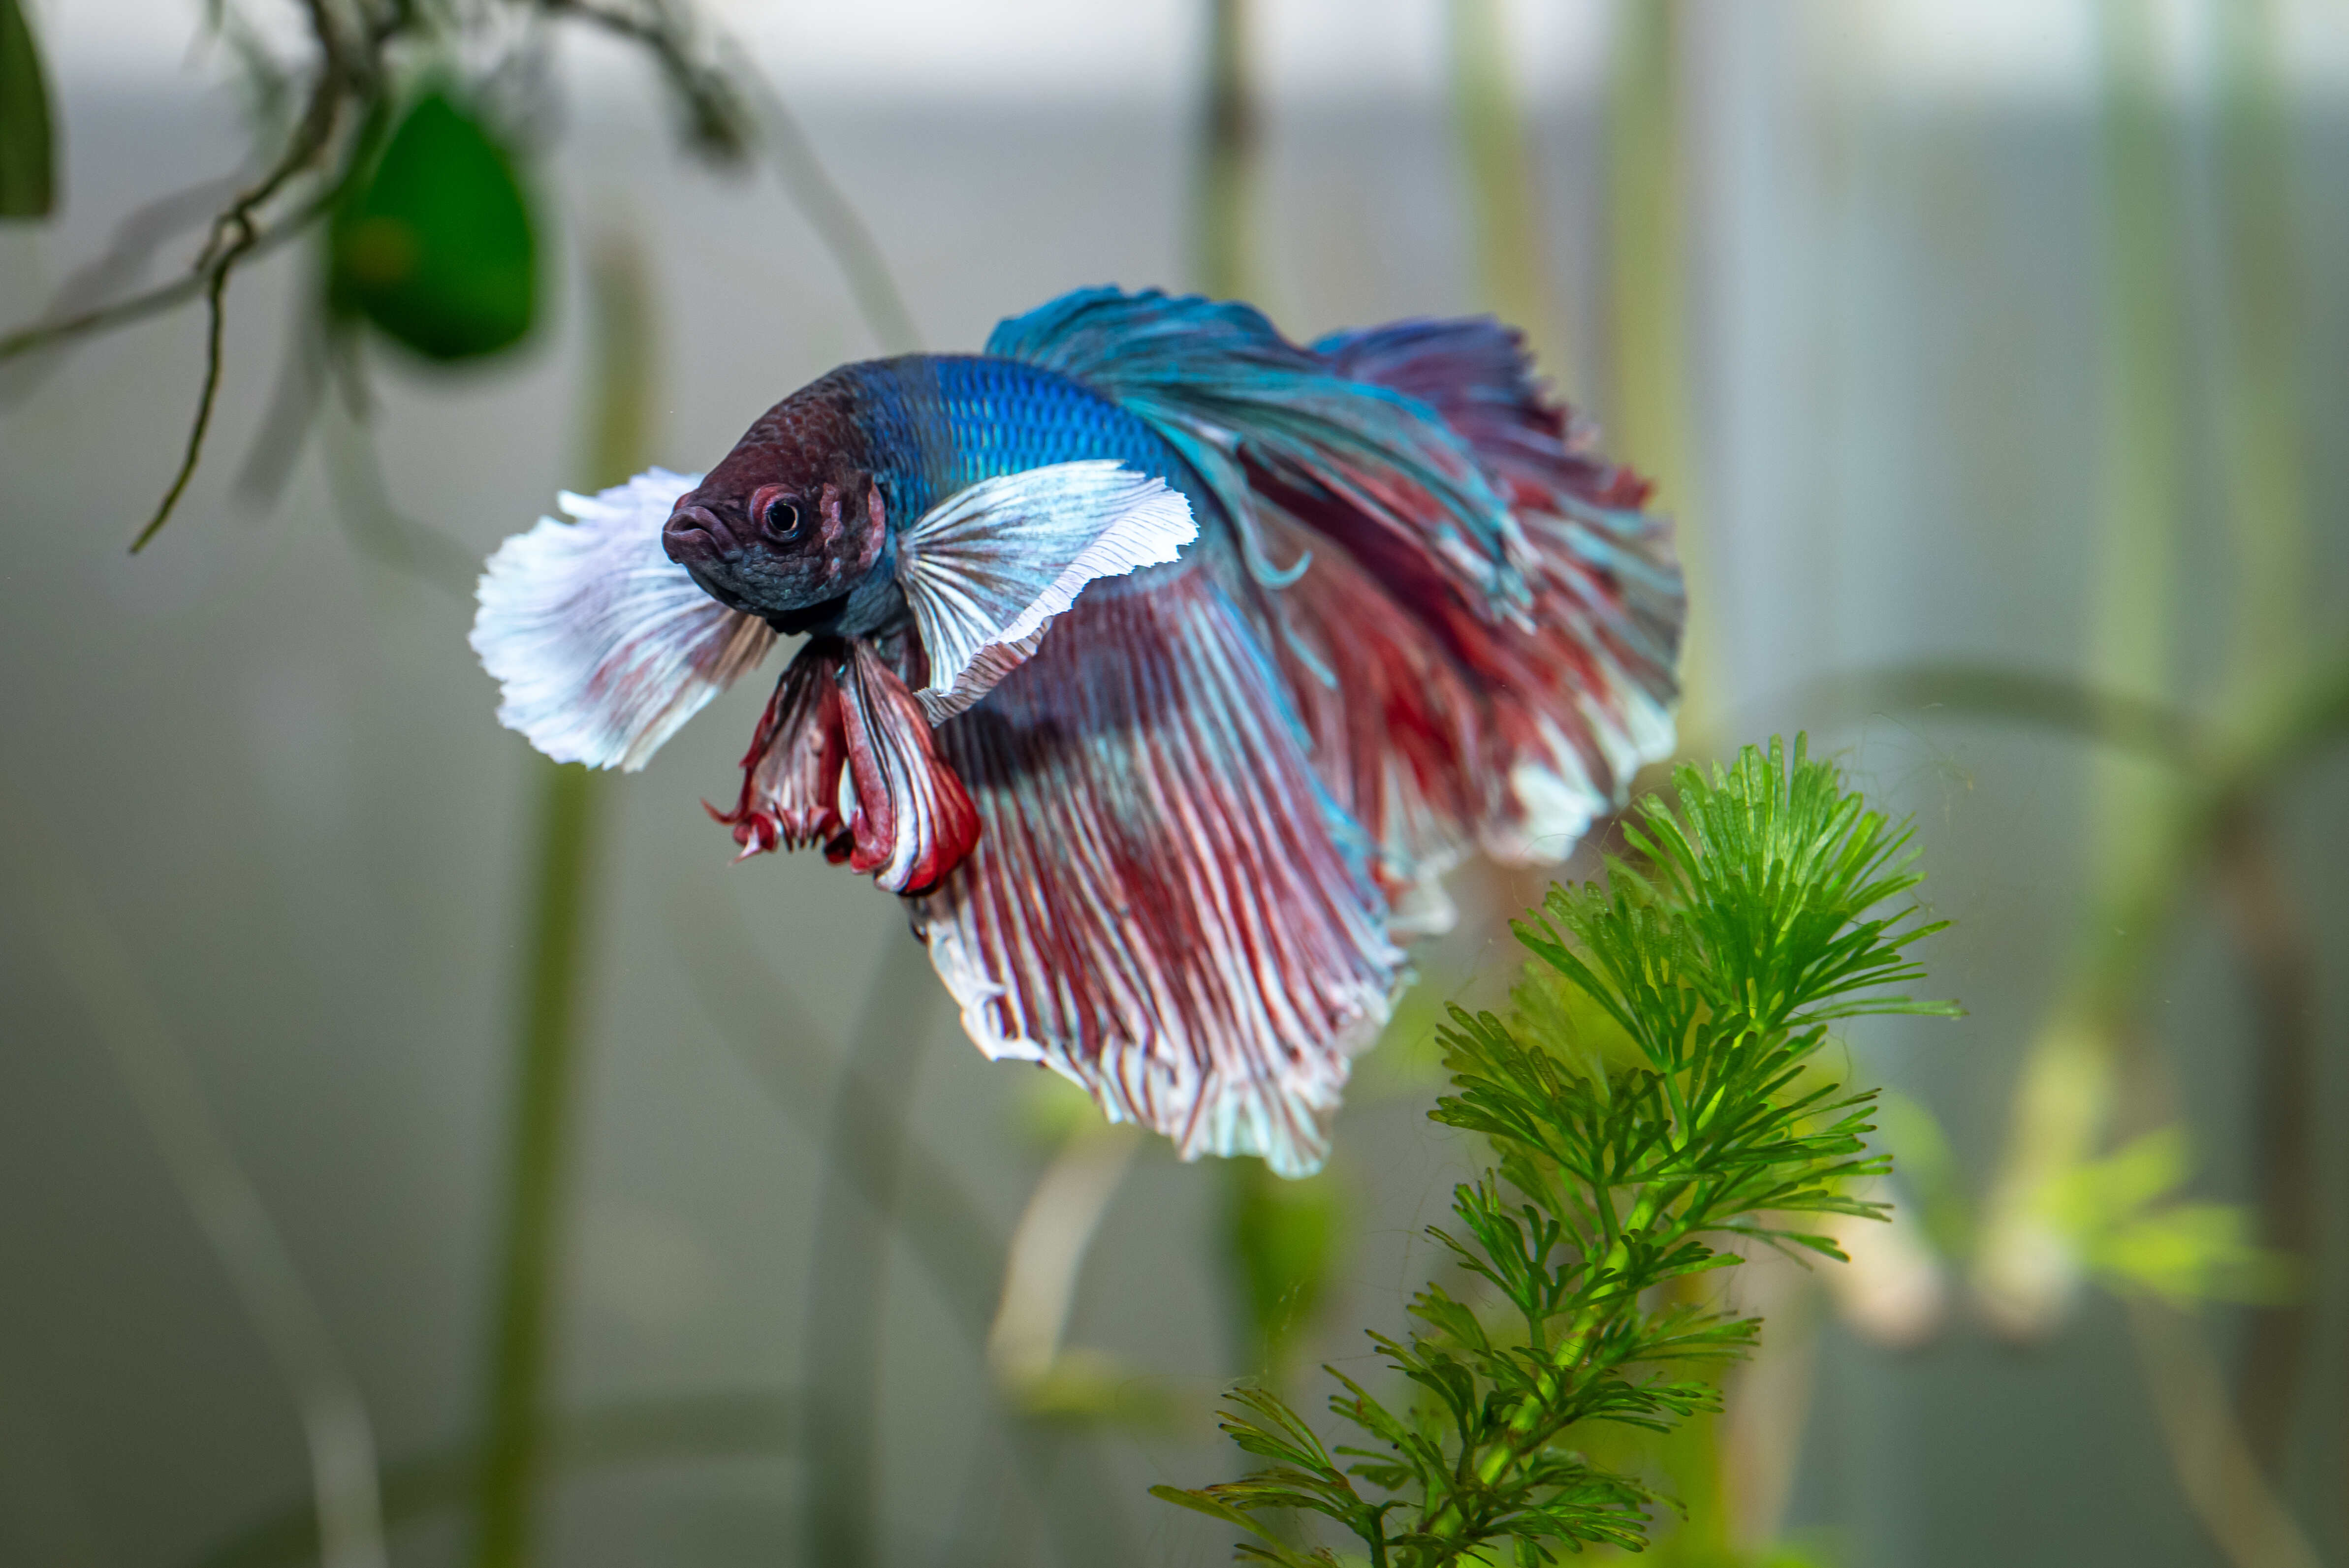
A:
(2028, 1267)
(2216, 1468)
(1281, 1242)
(562, 877)
(2267, 503)
(2267, 508)
(1045, 1257)
(1495, 156)
(855, 1216)
(1648, 303)
(1222, 230)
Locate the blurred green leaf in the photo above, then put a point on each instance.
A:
(1206, 1503)
(1282, 1238)
(27, 142)
(1920, 1152)
(435, 247)
(2118, 1210)
(1085, 1386)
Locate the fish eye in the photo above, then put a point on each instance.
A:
(778, 515)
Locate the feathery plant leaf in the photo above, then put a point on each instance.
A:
(1641, 1127)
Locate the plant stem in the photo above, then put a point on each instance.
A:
(2279, 966)
(2215, 1469)
(1523, 1431)
(2260, 417)
(1647, 287)
(2064, 1103)
(1222, 230)
(537, 1162)
(1270, 1289)
(555, 959)
(838, 224)
(1046, 1258)
(2263, 441)
(1504, 199)
(841, 1355)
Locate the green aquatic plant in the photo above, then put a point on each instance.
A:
(1641, 1139)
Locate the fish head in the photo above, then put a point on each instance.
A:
(791, 523)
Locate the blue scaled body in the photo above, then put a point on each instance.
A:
(938, 423)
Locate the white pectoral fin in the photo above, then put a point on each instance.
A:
(986, 569)
(603, 646)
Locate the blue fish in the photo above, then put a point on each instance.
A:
(1161, 665)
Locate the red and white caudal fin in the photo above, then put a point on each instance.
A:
(1459, 728)
(1163, 904)
(1478, 623)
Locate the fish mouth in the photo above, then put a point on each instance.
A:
(695, 535)
(698, 538)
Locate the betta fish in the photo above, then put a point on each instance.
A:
(1162, 666)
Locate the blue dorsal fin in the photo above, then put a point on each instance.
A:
(1255, 412)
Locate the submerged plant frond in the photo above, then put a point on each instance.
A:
(1757, 916)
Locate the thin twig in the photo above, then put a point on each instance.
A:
(103, 318)
(136, 239)
(237, 220)
(721, 123)
(2147, 726)
(709, 96)
(234, 235)
(215, 324)
(352, 74)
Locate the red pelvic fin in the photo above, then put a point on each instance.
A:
(912, 820)
(841, 713)
(791, 775)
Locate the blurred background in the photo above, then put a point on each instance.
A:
(413, 1152)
